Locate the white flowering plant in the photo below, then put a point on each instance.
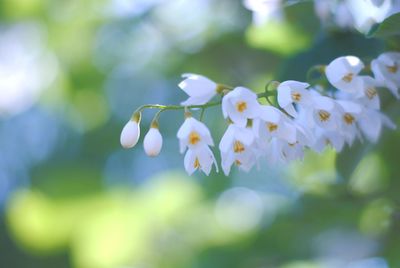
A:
(338, 107)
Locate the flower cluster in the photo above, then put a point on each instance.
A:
(348, 14)
(302, 116)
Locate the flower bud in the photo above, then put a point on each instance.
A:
(130, 134)
(153, 142)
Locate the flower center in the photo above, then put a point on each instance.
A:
(196, 163)
(348, 118)
(238, 147)
(194, 138)
(328, 141)
(272, 127)
(296, 96)
(324, 115)
(292, 144)
(371, 93)
(392, 69)
(238, 163)
(241, 106)
(348, 77)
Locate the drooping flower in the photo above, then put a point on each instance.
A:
(273, 123)
(131, 132)
(351, 112)
(386, 69)
(200, 158)
(369, 97)
(290, 92)
(343, 73)
(325, 113)
(324, 138)
(371, 123)
(153, 142)
(240, 105)
(194, 136)
(236, 147)
(199, 88)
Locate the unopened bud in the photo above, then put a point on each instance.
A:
(153, 142)
(130, 134)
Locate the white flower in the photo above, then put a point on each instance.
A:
(337, 12)
(199, 88)
(195, 136)
(369, 96)
(325, 113)
(264, 10)
(386, 69)
(343, 72)
(200, 158)
(368, 12)
(239, 105)
(274, 123)
(192, 134)
(371, 123)
(324, 138)
(349, 118)
(281, 151)
(236, 147)
(130, 134)
(153, 142)
(290, 92)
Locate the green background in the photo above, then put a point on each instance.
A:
(72, 197)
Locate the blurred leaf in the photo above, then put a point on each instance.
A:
(348, 160)
(326, 48)
(376, 217)
(370, 175)
(279, 37)
(389, 27)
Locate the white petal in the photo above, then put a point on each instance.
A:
(130, 134)
(270, 114)
(189, 162)
(185, 129)
(206, 159)
(371, 125)
(197, 100)
(197, 85)
(350, 106)
(284, 95)
(153, 142)
(244, 135)
(227, 139)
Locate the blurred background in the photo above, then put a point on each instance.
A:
(71, 74)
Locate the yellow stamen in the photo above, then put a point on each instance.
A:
(371, 93)
(194, 138)
(238, 147)
(348, 77)
(324, 115)
(296, 96)
(348, 118)
(392, 69)
(241, 106)
(238, 163)
(196, 163)
(272, 127)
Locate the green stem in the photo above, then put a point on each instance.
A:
(163, 108)
(202, 113)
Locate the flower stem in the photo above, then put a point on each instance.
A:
(163, 108)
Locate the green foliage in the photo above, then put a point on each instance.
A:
(90, 204)
(388, 28)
